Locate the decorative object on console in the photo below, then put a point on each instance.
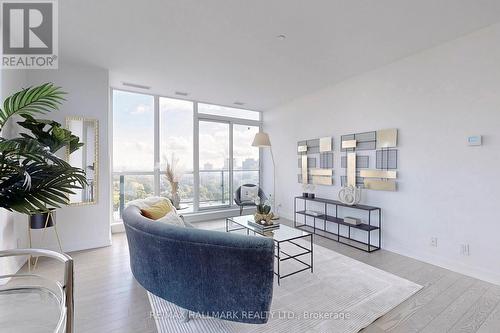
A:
(350, 195)
(315, 160)
(312, 212)
(382, 144)
(352, 220)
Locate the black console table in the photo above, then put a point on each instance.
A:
(343, 235)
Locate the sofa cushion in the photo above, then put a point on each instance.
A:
(158, 210)
(172, 218)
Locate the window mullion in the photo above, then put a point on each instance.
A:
(157, 145)
(196, 159)
(231, 164)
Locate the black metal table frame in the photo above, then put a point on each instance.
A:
(335, 219)
(279, 251)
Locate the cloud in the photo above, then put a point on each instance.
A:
(141, 109)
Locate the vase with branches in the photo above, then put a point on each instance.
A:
(174, 173)
(32, 178)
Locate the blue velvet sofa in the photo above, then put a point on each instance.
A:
(208, 272)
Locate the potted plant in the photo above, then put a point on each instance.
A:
(33, 180)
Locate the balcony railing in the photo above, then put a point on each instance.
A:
(214, 188)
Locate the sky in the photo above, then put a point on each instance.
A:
(133, 135)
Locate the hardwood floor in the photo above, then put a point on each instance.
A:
(108, 299)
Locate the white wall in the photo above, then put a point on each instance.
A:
(446, 189)
(83, 227)
(13, 226)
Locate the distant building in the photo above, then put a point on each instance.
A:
(250, 164)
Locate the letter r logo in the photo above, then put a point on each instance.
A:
(27, 27)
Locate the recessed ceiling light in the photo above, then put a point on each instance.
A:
(181, 93)
(134, 85)
(281, 37)
(239, 103)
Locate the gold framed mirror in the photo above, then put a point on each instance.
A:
(86, 158)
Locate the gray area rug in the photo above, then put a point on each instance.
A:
(342, 295)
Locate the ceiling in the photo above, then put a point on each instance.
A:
(226, 51)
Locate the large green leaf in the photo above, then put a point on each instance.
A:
(50, 133)
(31, 101)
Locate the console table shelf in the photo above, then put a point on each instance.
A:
(344, 238)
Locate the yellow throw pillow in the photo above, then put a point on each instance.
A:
(158, 210)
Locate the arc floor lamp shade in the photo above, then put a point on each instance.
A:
(261, 140)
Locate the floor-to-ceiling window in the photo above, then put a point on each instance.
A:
(176, 146)
(209, 145)
(133, 148)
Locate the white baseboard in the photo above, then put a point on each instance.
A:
(452, 265)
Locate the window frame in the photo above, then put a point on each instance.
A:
(197, 117)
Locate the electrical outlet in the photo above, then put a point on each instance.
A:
(434, 241)
(464, 249)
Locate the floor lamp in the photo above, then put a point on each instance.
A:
(261, 140)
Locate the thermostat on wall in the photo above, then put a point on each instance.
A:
(476, 140)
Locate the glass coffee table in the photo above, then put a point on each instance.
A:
(281, 235)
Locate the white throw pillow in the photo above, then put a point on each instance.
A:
(249, 193)
(172, 218)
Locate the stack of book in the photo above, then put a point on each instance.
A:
(263, 227)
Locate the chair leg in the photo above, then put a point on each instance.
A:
(241, 210)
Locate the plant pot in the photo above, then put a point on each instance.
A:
(312, 195)
(304, 194)
(39, 220)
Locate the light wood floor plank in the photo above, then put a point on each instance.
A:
(492, 323)
(407, 309)
(447, 318)
(478, 312)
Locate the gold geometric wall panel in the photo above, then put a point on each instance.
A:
(315, 159)
(388, 174)
(348, 144)
(351, 169)
(320, 180)
(321, 172)
(304, 170)
(380, 185)
(376, 146)
(325, 144)
(387, 138)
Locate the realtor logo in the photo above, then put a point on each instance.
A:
(29, 34)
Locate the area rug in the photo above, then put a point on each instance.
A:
(342, 295)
